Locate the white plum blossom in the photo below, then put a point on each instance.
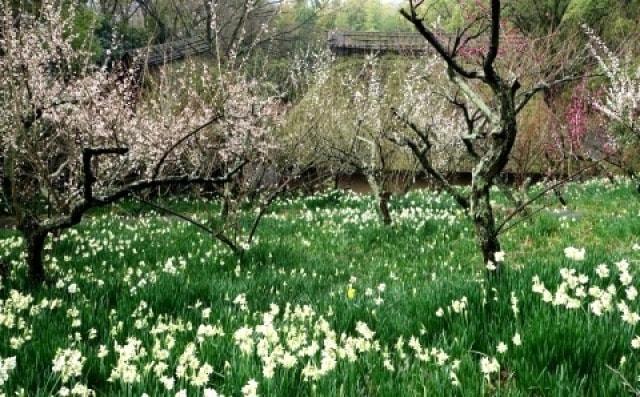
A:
(175, 127)
(622, 97)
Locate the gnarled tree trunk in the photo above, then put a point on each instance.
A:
(35, 252)
(383, 207)
(487, 171)
(484, 223)
(381, 195)
(5, 176)
(35, 238)
(496, 119)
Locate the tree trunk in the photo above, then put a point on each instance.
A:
(485, 174)
(6, 175)
(35, 237)
(225, 209)
(484, 222)
(381, 196)
(35, 252)
(383, 207)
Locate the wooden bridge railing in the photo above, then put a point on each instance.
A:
(160, 54)
(347, 43)
(340, 43)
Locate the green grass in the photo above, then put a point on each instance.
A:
(310, 252)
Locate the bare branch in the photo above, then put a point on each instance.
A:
(423, 158)
(412, 17)
(494, 44)
(165, 155)
(526, 96)
(216, 234)
(535, 198)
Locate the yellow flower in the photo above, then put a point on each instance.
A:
(351, 292)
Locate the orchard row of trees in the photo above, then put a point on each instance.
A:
(81, 132)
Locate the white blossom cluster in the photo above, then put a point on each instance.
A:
(622, 99)
(186, 120)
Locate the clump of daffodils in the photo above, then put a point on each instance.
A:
(77, 390)
(575, 254)
(488, 367)
(250, 389)
(191, 369)
(298, 337)
(207, 331)
(129, 355)
(6, 366)
(576, 291)
(68, 363)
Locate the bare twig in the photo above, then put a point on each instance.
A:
(541, 194)
(216, 234)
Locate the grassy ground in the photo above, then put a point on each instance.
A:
(330, 303)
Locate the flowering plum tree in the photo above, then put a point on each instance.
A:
(347, 116)
(76, 135)
(621, 99)
(432, 129)
(490, 99)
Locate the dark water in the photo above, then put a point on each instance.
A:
(403, 183)
(359, 184)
